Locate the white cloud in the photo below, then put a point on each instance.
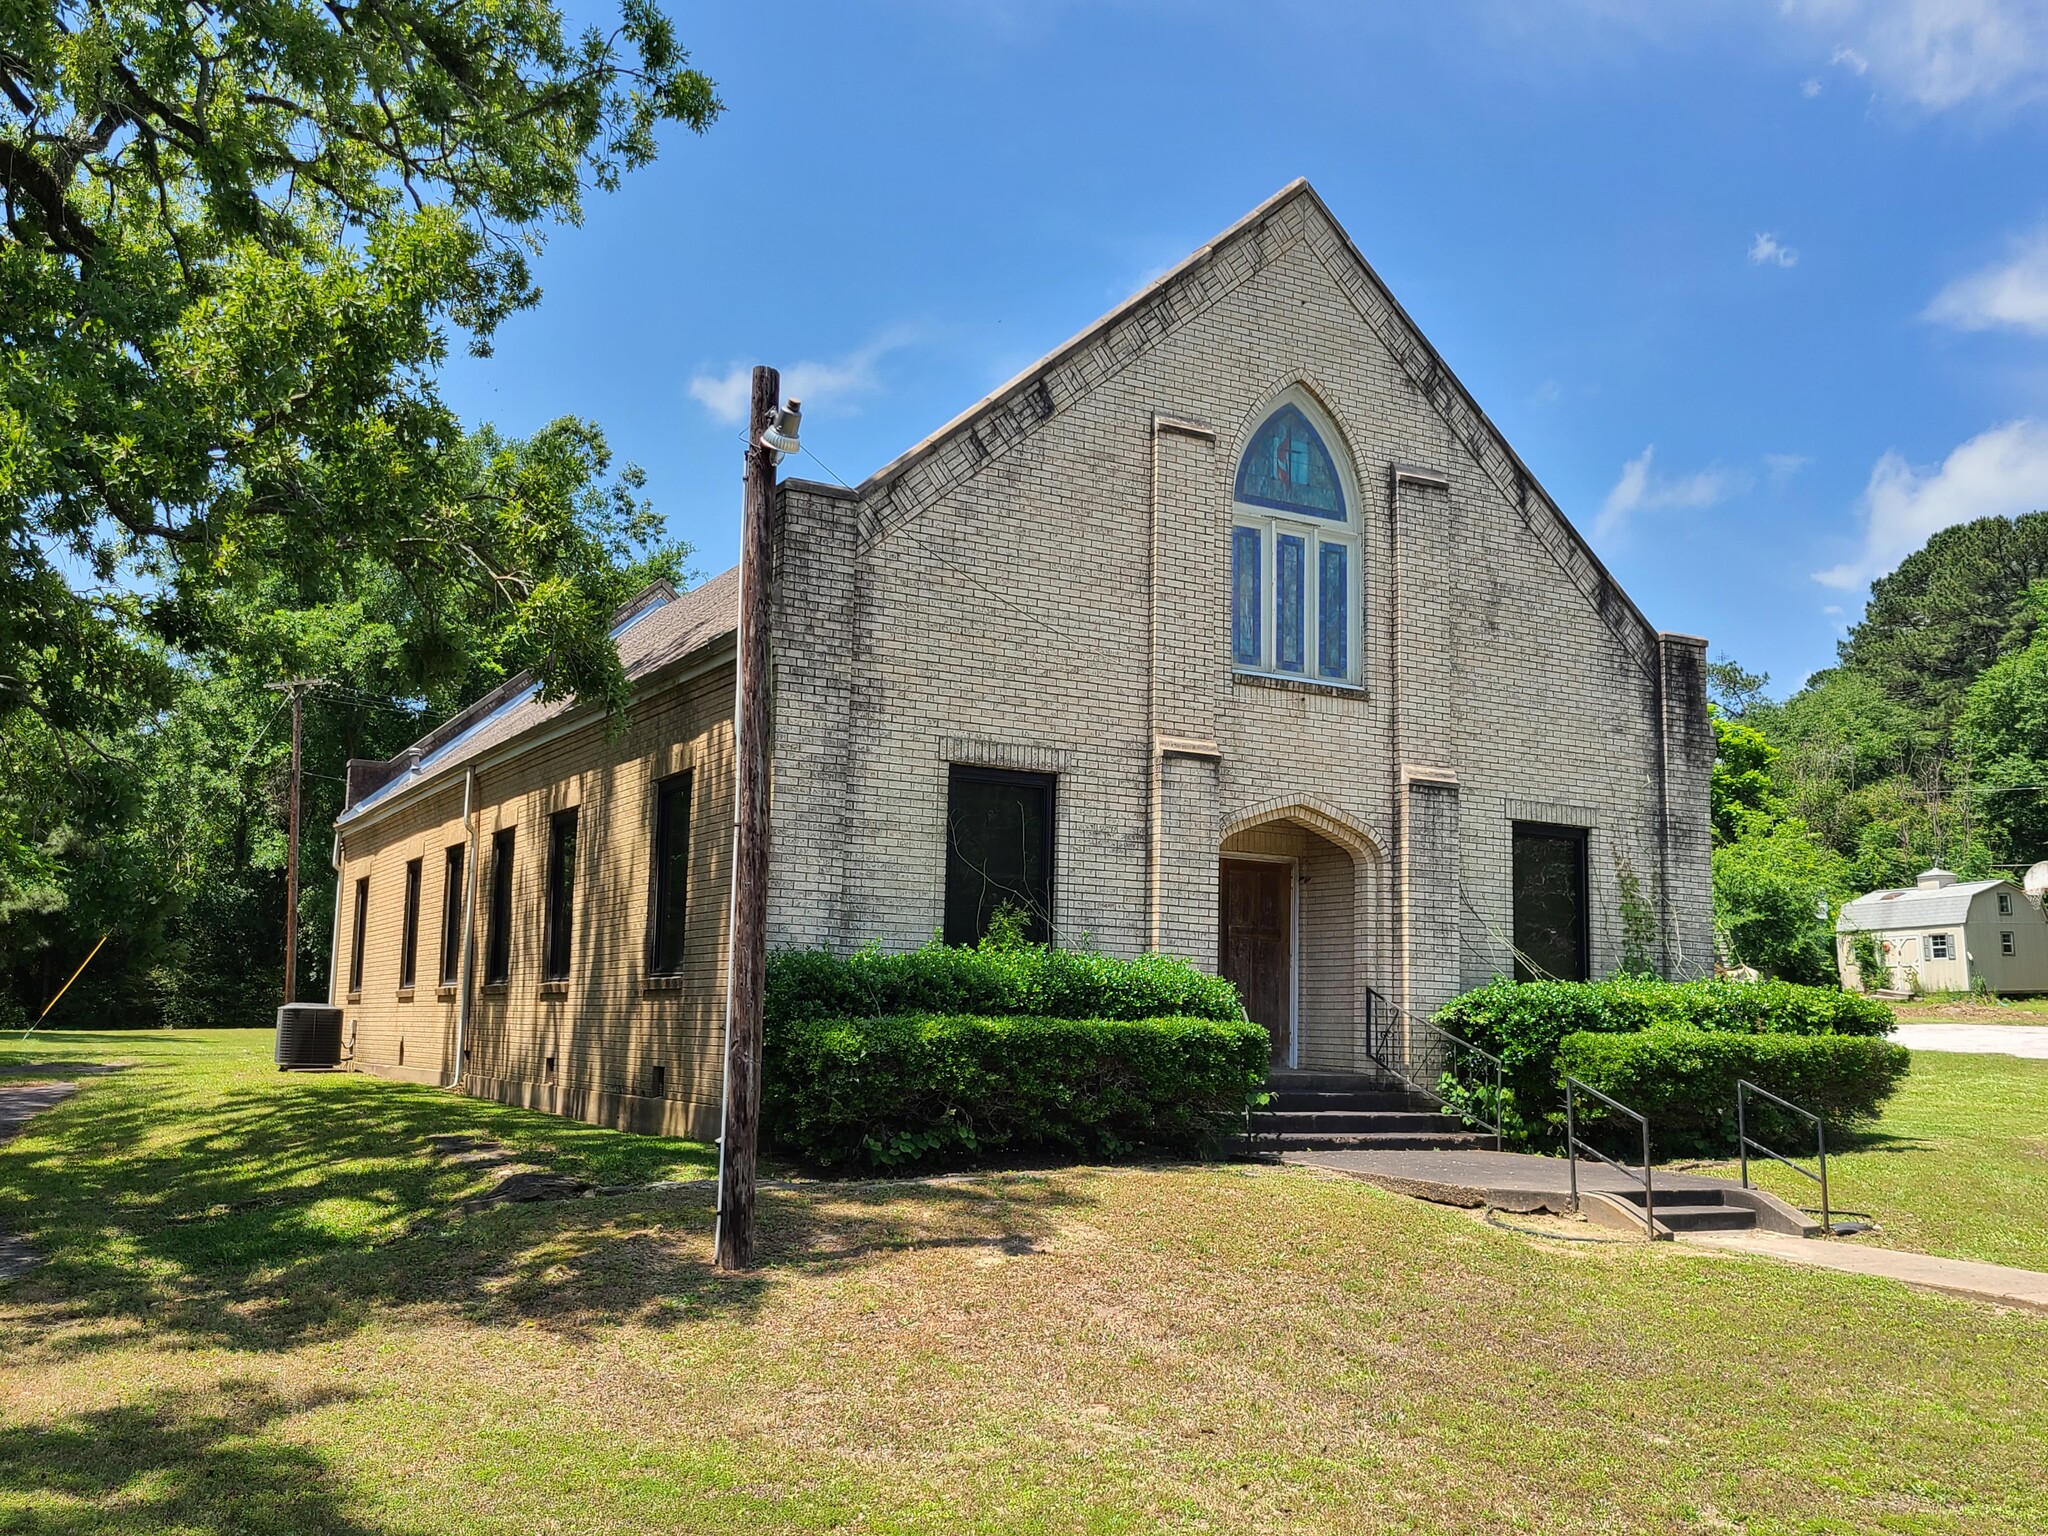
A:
(1938, 54)
(1639, 491)
(1549, 392)
(1809, 89)
(1765, 251)
(1783, 466)
(1999, 473)
(2007, 293)
(838, 385)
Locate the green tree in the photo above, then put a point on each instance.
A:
(1950, 610)
(2004, 727)
(1741, 784)
(236, 237)
(1776, 890)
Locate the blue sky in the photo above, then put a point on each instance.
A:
(1758, 290)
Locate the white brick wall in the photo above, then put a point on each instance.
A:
(1047, 578)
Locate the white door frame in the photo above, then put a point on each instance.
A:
(1293, 941)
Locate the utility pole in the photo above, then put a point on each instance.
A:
(295, 689)
(771, 432)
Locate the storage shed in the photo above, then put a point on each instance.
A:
(1949, 935)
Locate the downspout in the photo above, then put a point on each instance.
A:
(1155, 792)
(462, 987)
(334, 937)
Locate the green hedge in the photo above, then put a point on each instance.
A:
(1683, 1079)
(992, 980)
(1526, 1023)
(907, 1091)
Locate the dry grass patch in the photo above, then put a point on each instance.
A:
(1090, 1350)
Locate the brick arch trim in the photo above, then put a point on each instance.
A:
(1354, 837)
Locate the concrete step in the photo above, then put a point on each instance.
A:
(1705, 1218)
(1370, 1141)
(1354, 1102)
(1324, 1120)
(1324, 1082)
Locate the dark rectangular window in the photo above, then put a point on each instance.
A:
(1550, 903)
(451, 915)
(409, 940)
(560, 927)
(671, 873)
(998, 852)
(498, 941)
(355, 955)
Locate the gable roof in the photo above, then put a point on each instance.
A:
(1882, 911)
(655, 630)
(930, 470)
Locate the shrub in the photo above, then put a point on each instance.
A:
(992, 980)
(924, 1090)
(1683, 1079)
(1525, 1023)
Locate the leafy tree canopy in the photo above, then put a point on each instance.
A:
(236, 237)
(1950, 610)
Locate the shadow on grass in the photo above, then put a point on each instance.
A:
(264, 1216)
(199, 1463)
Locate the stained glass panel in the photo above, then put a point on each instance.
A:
(1290, 563)
(1333, 612)
(1244, 596)
(1287, 467)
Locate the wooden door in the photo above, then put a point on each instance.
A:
(1255, 944)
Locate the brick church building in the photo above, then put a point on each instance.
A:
(1232, 629)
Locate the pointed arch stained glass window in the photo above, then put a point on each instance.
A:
(1294, 555)
(1288, 469)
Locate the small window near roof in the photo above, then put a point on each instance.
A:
(2005, 903)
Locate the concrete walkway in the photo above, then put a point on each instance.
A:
(20, 1103)
(1958, 1277)
(1507, 1181)
(1990, 1039)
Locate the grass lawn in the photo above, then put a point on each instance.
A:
(258, 1317)
(1958, 1165)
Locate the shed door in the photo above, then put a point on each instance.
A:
(1255, 944)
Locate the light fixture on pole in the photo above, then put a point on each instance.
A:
(779, 437)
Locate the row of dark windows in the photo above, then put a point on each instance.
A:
(999, 859)
(668, 900)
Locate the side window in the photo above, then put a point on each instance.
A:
(999, 852)
(560, 926)
(451, 914)
(361, 931)
(1938, 947)
(409, 938)
(2006, 945)
(671, 895)
(1550, 903)
(498, 937)
(1294, 554)
(2005, 903)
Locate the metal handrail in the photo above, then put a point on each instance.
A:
(1744, 1141)
(1421, 1055)
(1573, 1147)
